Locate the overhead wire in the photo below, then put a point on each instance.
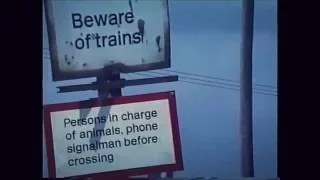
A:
(208, 77)
(199, 81)
(206, 81)
(203, 84)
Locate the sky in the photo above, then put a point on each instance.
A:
(205, 40)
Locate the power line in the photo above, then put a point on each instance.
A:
(204, 76)
(206, 81)
(209, 85)
(210, 77)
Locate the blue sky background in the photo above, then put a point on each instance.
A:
(205, 39)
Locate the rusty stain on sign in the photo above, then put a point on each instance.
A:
(73, 61)
(158, 38)
(130, 5)
(141, 24)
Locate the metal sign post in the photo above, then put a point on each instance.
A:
(102, 93)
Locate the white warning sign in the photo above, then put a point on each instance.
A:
(110, 138)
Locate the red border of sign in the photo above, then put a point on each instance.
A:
(114, 101)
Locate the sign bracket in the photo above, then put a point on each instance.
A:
(106, 85)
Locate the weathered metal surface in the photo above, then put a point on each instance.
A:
(128, 35)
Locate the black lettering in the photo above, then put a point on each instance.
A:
(69, 149)
(133, 141)
(89, 134)
(94, 159)
(79, 43)
(126, 142)
(110, 158)
(108, 132)
(112, 40)
(129, 17)
(154, 113)
(140, 127)
(102, 20)
(80, 121)
(87, 40)
(144, 140)
(117, 130)
(83, 121)
(111, 144)
(120, 17)
(136, 38)
(100, 132)
(119, 38)
(137, 115)
(148, 115)
(78, 149)
(154, 139)
(104, 158)
(76, 162)
(154, 126)
(76, 17)
(124, 117)
(91, 147)
(73, 122)
(97, 120)
(82, 135)
(113, 19)
(70, 162)
(66, 121)
(103, 119)
(126, 38)
(104, 41)
(130, 115)
(90, 120)
(114, 118)
(81, 161)
(88, 21)
(88, 160)
(98, 40)
(129, 130)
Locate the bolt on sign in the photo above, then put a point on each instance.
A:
(127, 136)
(87, 36)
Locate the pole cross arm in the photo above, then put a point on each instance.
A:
(116, 84)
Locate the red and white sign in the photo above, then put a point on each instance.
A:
(125, 136)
